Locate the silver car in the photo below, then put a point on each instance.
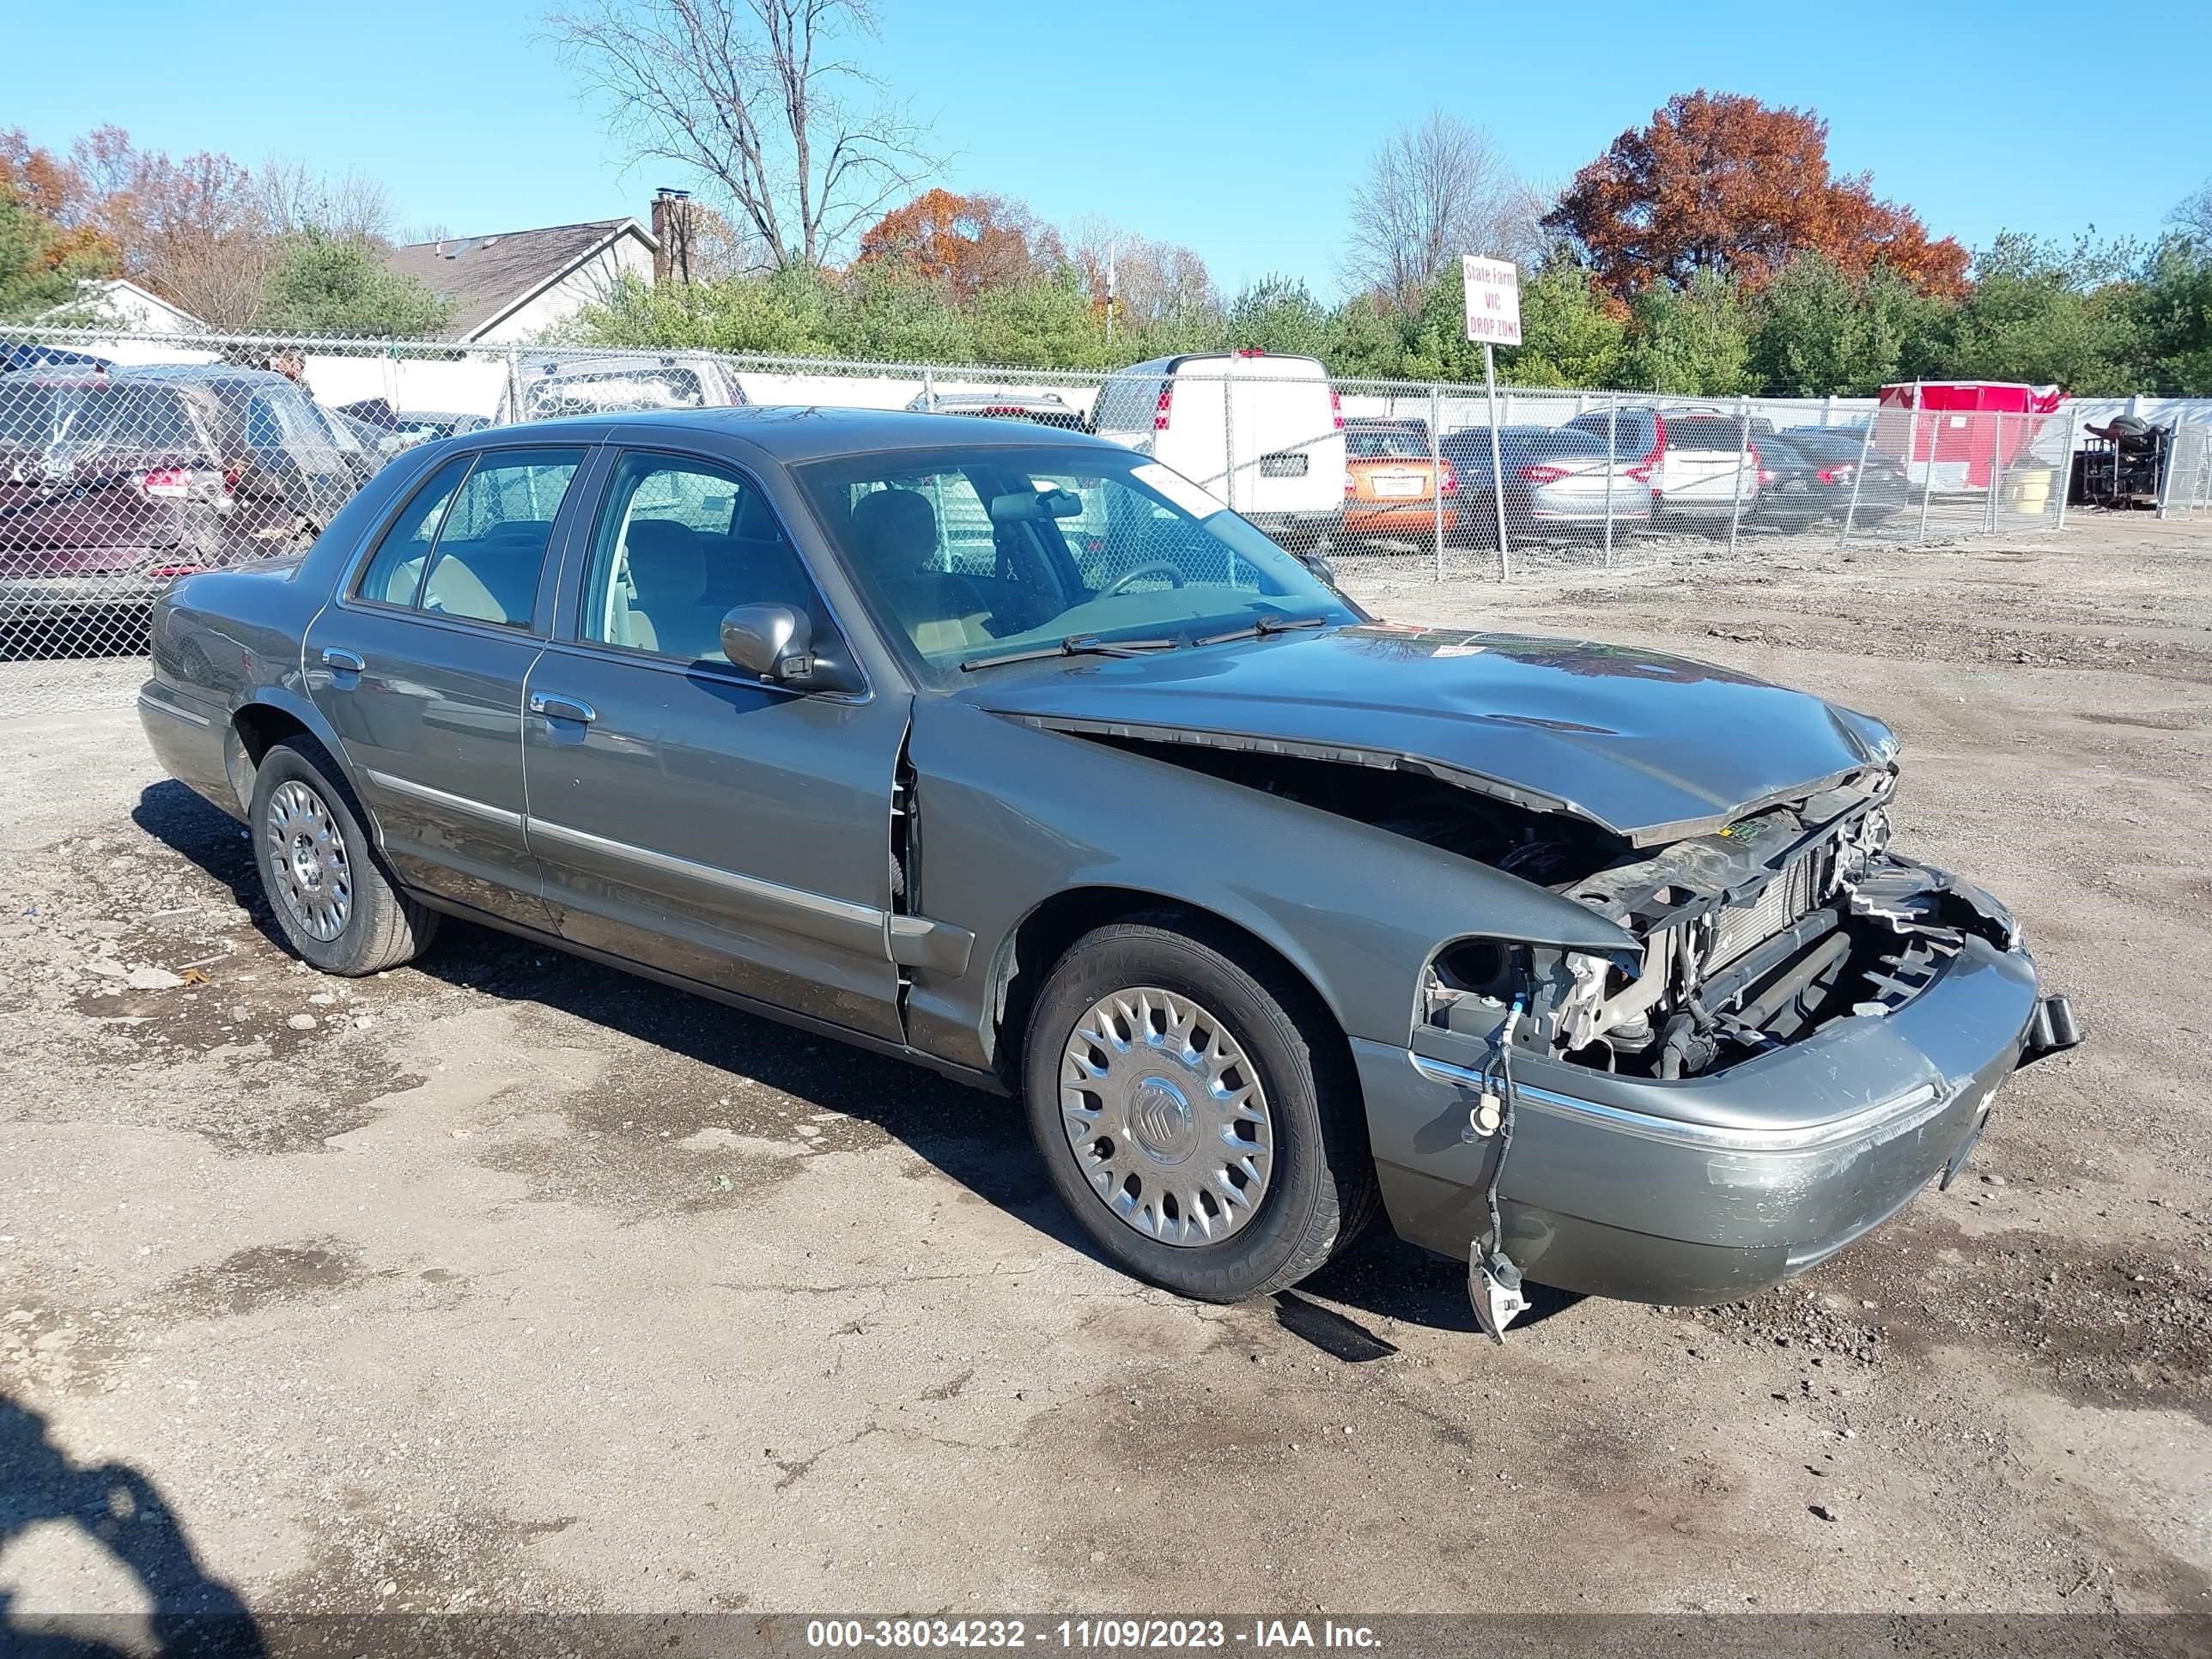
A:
(1556, 480)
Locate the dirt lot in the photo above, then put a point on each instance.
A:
(507, 1282)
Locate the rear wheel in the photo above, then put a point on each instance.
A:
(338, 907)
(1196, 1111)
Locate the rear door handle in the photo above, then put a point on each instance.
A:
(562, 709)
(346, 662)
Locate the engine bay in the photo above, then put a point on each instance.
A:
(1746, 938)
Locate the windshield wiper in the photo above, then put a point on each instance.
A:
(1075, 645)
(1259, 629)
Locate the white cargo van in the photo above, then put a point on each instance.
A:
(1263, 433)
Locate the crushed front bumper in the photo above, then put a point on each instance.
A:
(1708, 1189)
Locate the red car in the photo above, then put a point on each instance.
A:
(113, 485)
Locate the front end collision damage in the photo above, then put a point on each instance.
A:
(1786, 1031)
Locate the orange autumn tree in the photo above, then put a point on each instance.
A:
(1724, 183)
(971, 243)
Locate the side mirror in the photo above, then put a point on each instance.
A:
(777, 643)
(772, 641)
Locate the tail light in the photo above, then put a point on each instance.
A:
(1543, 475)
(1161, 407)
(1767, 475)
(170, 482)
(1252, 351)
(1350, 482)
(1451, 480)
(1837, 475)
(1335, 410)
(1641, 472)
(1758, 472)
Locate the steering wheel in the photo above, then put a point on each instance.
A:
(1152, 567)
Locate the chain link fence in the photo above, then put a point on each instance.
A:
(2186, 489)
(128, 459)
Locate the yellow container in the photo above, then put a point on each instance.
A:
(2028, 492)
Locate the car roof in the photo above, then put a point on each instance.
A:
(207, 374)
(794, 433)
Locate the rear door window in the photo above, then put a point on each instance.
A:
(491, 550)
(472, 542)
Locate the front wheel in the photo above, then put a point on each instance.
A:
(336, 904)
(1194, 1112)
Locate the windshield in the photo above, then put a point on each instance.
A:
(1390, 443)
(610, 391)
(970, 554)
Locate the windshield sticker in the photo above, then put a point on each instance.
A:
(1179, 490)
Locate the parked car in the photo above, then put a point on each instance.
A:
(1044, 408)
(1558, 481)
(401, 429)
(1843, 457)
(1593, 965)
(1262, 432)
(1392, 484)
(547, 387)
(112, 484)
(1703, 469)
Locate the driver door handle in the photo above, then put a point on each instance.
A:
(562, 709)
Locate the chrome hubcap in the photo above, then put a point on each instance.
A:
(307, 860)
(1166, 1116)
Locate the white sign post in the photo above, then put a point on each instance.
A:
(1493, 317)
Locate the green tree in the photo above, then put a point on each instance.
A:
(1819, 331)
(1571, 334)
(895, 315)
(1041, 322)
(2173, 319)
(1693, 341)
(1279, 314)
(325, 284)
(2047, 316)
(38, 272)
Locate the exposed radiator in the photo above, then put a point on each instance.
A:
(1783, 900)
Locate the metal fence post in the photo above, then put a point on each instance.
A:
(1611, 461)
(1858, 474)
(1497, 465)
(1436, 473)
(1996, 468)
(1928, 474)
(2065, 482)
(1229, 438)
(513, 383)
(1742, 448)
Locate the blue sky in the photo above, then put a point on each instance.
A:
(1235, 128)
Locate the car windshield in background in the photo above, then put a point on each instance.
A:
(1708, 433)
(970, 555)
(1394, 443)
(616, 390)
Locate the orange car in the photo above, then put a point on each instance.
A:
(1389, 483)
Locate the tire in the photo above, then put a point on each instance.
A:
(337, 903)
(1318, 1190)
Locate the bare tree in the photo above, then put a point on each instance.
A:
(350, 207)
(1433, 191)
(803, 143)
(1153, 280)
(2193, 216)
(192, 230)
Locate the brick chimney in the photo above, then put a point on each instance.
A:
(672, 229)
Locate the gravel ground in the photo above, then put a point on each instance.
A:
(505, 1282)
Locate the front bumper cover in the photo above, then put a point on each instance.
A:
(1708, 1189)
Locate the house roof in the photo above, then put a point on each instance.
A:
(487, 277)
(120, 297)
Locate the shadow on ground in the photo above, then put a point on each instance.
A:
(124, 1513)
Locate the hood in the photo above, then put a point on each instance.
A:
(1649, 747)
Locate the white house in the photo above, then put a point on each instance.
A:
(512, 287)
(120, 304)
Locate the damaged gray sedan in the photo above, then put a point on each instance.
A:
(1015, 754)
